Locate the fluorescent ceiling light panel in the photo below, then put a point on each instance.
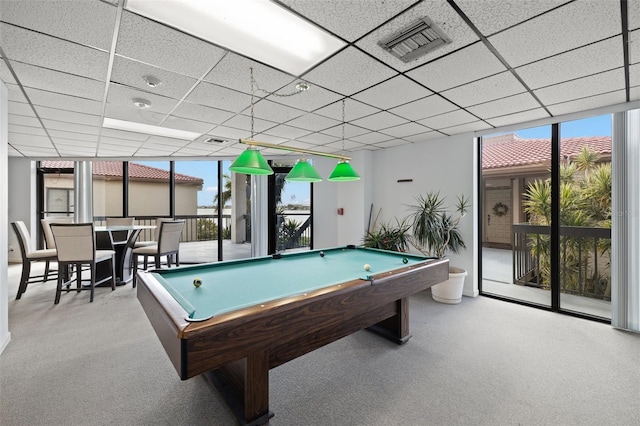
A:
(258, 29)
(148, 129)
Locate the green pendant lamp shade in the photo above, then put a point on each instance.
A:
(343, 173)
(251, 162)
(303, 172)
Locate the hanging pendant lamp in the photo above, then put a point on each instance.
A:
(251, 162)
(303, 171)
(343, 173)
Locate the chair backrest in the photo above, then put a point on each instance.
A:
(120, 221)
(24, 239)
(156, 232)
(46, 228)
(119, 236)
(169, 239)
(75, 242)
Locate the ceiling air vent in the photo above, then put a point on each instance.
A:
(415, 40)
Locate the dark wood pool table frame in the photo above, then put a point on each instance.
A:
(241, 346)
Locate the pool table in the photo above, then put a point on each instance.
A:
(251, 315)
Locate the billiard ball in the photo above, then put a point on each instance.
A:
(367, 267)
(321, 254)
(405, 260)
(197, 282)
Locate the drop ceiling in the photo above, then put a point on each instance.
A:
(69, 64)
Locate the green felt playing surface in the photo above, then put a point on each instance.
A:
(228, 286)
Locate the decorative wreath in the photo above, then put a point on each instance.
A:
(500, 209)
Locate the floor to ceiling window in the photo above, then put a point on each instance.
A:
(521, 260)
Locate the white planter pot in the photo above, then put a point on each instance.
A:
(450, 291)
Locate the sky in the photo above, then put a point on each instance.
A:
(299, 192)
(293, 193)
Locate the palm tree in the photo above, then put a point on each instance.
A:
(226, 194)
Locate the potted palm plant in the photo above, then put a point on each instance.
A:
(435, 233)
(393, 237)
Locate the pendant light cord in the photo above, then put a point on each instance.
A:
(253, 81)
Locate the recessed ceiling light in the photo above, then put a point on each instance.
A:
(141, 103)
(148, 129)
(152, 81)
(259, 29)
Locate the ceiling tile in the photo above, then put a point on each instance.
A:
(568, 27)
(71, 127)
(404, 130)
(352, 110)
(287, 132)
(338, 146)
(68, 116)
(634, 47)
(83, 137)
(61, 101)
(454, 70)
(15, 94)
(582, 87)
(55, 81)
(122, 135)
(21, 108)
(49, 52)
(372, 138)
(122, 97)
(275, 112)
(378, 121)
(448, 119)
(422, 137)
(519, 117)
(243, 122)
(24, 120)
(313, 122)
(202, 113)
(584, 104)
(464, 128)
(349, 131)
(485, 90)
(90, 23)
(30, 140)
(130, 73)
(423, 108)
(5, 74)
(153, 43)
(219, 97)
(440, 13)
(490, 16)
(348, 72)
(591, 59)
(391, 143)
(339, 20)
(309, 100)
(634, 75)
(396, 91)
(224, 132)
(315, 139)
(512, 104)
(234, 72)
(634, 93)
(188, 125)
(633, 12)
(37, 131)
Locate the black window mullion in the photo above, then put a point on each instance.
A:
(125, 189)
(555, 217)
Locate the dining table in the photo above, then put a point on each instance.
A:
(107, 238)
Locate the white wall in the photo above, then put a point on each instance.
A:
(5, 336)
(22, 201)
(329, 228)
(447, 165)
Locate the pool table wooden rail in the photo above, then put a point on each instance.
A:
(246, 343)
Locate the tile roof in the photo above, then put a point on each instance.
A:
(516, 151)
(114, 169)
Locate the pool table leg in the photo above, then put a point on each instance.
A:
(395, 328)
(245, 386)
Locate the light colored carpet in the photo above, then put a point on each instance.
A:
(483, 362)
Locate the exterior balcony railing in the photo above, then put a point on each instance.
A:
(584, 259)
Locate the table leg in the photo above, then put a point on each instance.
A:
(245, 386)
(395, 328)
